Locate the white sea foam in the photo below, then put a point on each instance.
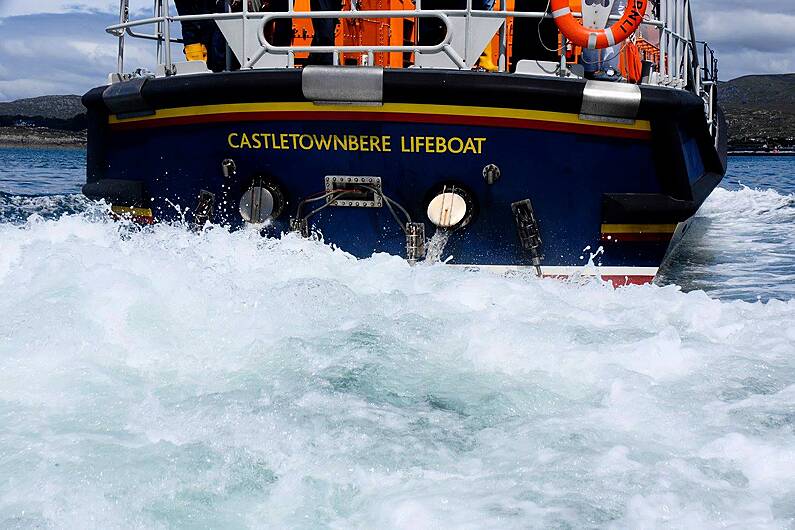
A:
(162, 378)
(740, 245)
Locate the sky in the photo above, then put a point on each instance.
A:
(60, 46)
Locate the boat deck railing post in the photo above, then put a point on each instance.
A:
(245, 20)
(662, 65)
(502, 61)
(468, 29)
(167, 36)
(157, 12)
(124, 9)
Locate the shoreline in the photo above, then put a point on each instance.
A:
(11, 145)
(41, 137)
(761, 153)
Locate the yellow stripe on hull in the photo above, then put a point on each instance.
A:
(130, 211)
(638, 228)
(400, 108)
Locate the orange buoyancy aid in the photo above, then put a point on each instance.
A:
(630, 63)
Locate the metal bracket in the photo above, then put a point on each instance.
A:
(228, 168)
(596, 14)
(334, 84)
(126, 99)
(204, 208)
(415, 242)
(300, 226)
(116, 191)
(357, 196)
(610, 102)
(529, 234)
(491, 173)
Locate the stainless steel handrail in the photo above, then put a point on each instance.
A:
(443, 46)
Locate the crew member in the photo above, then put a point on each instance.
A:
(323, 29)
(431, 29)
(485, 61)
(533, 38)
(279, 32)
(202, 38)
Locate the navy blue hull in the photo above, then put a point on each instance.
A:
(563, 174)
(570, 171)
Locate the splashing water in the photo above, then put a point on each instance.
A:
(436, 244)
(741, 245)
(161, 378)
(166, 378)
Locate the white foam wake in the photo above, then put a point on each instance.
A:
(163, 378)
(740, 246)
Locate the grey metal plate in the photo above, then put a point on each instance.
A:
(343, 84)
(334, 182)
(613, 102)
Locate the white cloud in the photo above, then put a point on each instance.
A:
(16, 48)
(754, 30)
(11, 8)
(14, 8)
(23, 88)
(757, 40)
(743, 62)
(61, 54)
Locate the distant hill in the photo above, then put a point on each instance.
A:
(760, 91)
(54, 107)
(45, 120)
(760, 109)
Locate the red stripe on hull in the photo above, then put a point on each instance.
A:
(394, 117)
(618, 280)
(137, 219)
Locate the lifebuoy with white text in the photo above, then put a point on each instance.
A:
(597, 39)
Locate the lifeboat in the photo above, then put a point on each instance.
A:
(529, 142)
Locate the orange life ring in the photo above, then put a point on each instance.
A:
(598, 38)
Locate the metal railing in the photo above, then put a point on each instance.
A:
(708, 89)
(678, 64)
(442, 47)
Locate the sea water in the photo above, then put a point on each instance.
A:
(161, 378)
